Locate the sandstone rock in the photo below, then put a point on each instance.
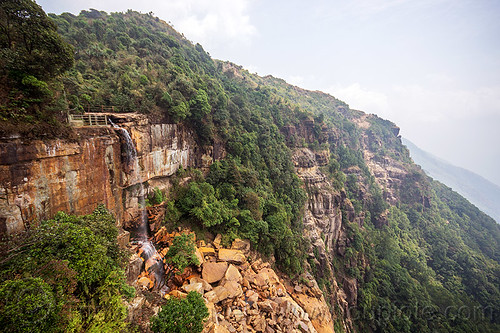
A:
(232, 274)
(259, 324)
(234, 256)
(133, 268)
(233, 288)
(260, 280)
(241, 244)
(217, 294)
(178, 294)
(214, 271)
(145, 282)
(217, 241)
(256, 264)
(268, 305)
(251, 296)
(317, 311)
(238, 315)
(199, 256)
(218, 329)
(123, 238)
(205, 284)
(198, 287)
(207, 251)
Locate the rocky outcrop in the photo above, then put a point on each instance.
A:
(40, 178)
(246, 294)
(324, 228)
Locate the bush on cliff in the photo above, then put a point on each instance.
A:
(65, 275)
(181, 315)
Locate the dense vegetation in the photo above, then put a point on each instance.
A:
(428, 263)
(65, 275)
(32, 57)
(181, 315)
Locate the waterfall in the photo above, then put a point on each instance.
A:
(152, 259)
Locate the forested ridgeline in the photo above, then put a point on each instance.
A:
(424, 258)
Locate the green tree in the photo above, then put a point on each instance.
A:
(27, 305)
(182, 252)
(29, 42)
(181, 315)
(200, 106)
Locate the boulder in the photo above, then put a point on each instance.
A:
(207, 251)
(232, 274)
(238, 315)
(214, 271)
(199, 255)
(145, 282)
(178, 294)
(133, 268)
(251, 297)
(217, 241)
(267, 305)
(260, 280)
(233, 288)
(259, 323)
(205, 284)
(241, 244)
(234, 256)
(198, 287)
(218, 294)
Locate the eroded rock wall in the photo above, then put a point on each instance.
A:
(324, 228)
(40, 178)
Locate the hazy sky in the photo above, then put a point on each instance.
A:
(431, 66)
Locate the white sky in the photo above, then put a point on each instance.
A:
(430, 66)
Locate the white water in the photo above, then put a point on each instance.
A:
(147, 250)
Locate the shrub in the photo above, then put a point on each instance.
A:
(181, 315)
(27, 305)
(182, 252)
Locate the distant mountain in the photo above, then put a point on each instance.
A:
(478, 190)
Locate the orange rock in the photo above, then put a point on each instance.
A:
(232, 274)
(178, 294)
(145, 282)
(207, 251)
(214, 271)
(234, 256)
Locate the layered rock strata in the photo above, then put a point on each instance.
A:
(40, 178)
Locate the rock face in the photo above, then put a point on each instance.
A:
(40, 178)
(325, 229)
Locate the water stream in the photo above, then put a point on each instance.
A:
(152, 259)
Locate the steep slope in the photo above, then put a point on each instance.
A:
(312, 184)
(478, 190)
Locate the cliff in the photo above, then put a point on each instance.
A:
(336, 212)
(39, 178)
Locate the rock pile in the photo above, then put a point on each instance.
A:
(245, 295)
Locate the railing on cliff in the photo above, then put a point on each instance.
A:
(96, 115)
(88, 119)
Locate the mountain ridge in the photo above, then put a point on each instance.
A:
(322, 192)
(477, 189)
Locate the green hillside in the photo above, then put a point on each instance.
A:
(425, 261)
